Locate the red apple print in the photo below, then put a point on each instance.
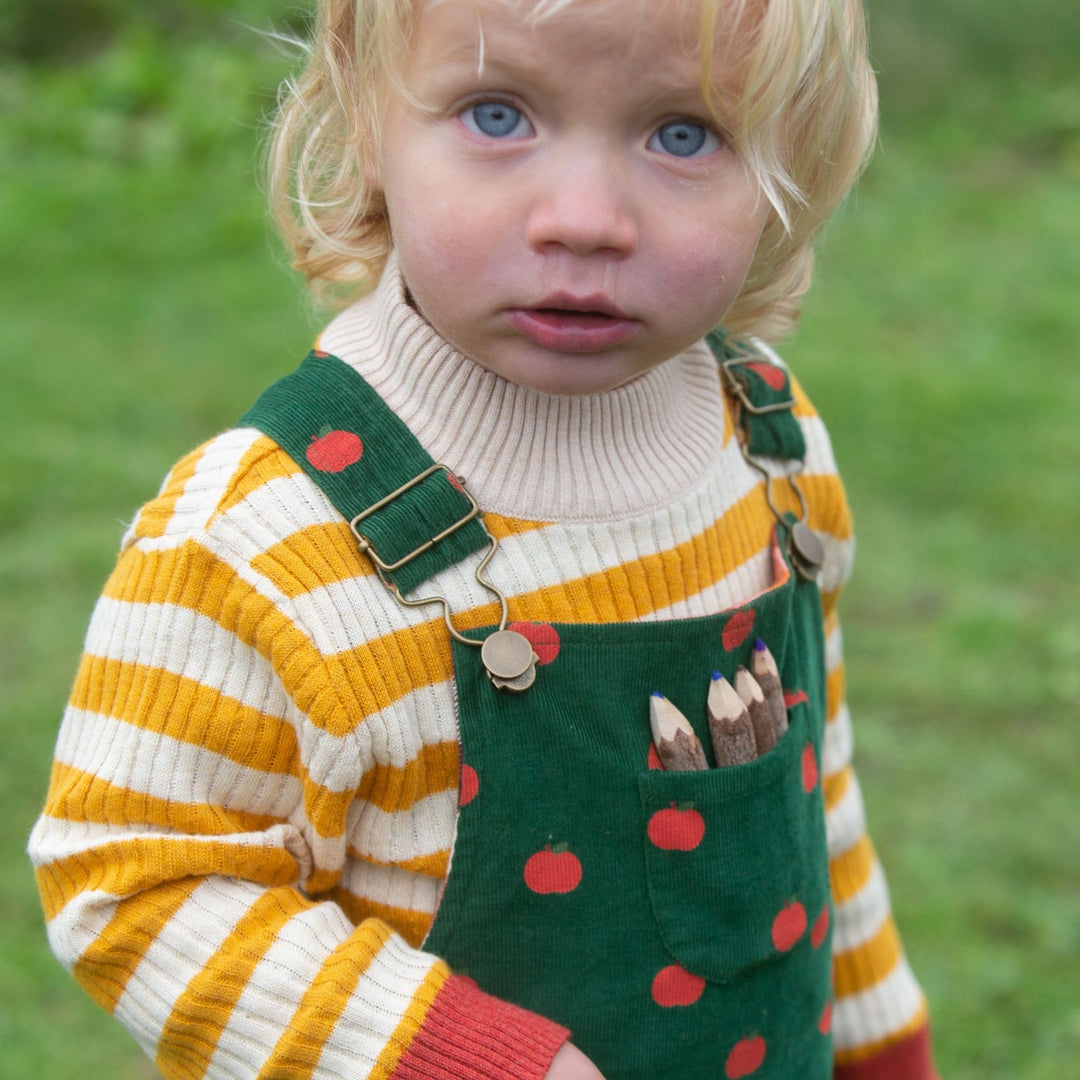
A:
(737, 629)
(332, 451)
(469, 786)
(745, 1058)
(674, 985)
(820, 928)
(654, 757)
(794, 697)
(677, 828)
(824, 1025)
(553, 871)
(809, 768)
(543, 637)
(772, 374)
(789, 926)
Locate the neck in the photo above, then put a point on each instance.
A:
(528, 454)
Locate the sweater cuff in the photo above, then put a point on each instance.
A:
(909, 1059)
(469, 1035)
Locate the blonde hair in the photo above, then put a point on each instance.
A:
(804, 121)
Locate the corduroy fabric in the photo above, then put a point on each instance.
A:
(253, 712)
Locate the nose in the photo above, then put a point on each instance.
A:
(582, 205)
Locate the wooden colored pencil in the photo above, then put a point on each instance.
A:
(760, 714)
(678, 747)
(730, 727)
(764, 669)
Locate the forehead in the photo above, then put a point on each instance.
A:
(658, 37)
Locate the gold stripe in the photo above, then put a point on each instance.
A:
(186, 710)
(835, 689)
(411, 925)
(300, 1046)
(435, 768)
(835, 787)
(80, 796)
(199, 1018)
(411, 1021)
(860, 968)
(503, 527)
(154, 517)
(313, 558)
(190, 576)
(125, 867)
(868, 1050)
(434, 865)
(850, 871)
(106, 965)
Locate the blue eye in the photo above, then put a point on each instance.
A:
(684, 139)
(496, 120)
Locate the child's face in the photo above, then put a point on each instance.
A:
(564, 208)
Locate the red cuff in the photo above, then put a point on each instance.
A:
(469, 1035)
(909, 1059)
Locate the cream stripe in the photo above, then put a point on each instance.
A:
(154, 764)
(839, 742)
(735, 588)
(370, 1017)
(390, 885)
(845, 824)
(424, 829)
(182, 949)
(425, 717)
(269, 1001)
(834, 649)
(74, 929)
(274, 511)
(202, 492)
(861, 917)
(877, 1012)
(54, 839)
(185, 642)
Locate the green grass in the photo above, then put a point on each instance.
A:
(143, 307)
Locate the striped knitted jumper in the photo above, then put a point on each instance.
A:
(254, 797)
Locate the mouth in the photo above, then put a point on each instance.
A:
(573, 324)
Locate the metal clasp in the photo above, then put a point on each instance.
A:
(368, 548)
(736, 387)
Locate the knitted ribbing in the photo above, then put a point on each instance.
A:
(254, 796)
(529, 454)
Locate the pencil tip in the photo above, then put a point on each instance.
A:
(717, 676)
(759, 645)
(656, 693)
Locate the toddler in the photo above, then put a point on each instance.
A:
(367, 769)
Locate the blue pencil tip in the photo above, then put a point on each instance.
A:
(759, 645)
(656, 693)
(717, 675)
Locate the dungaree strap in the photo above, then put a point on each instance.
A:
(328, 419)
(762, 390)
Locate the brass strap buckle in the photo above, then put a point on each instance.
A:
(507, 656)
(736, 387)
(368, 548)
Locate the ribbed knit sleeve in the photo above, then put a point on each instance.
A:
(879, 1015)
(192, 853)
(255, 791)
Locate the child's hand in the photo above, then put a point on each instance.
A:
(571, 1064)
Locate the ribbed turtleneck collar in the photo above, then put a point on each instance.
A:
(528, 454)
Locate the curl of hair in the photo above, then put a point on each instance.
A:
(804, 120)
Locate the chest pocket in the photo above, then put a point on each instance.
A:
(733, 858)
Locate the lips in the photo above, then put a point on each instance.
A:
(566, 323)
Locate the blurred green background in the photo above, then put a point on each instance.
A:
(143, 305)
